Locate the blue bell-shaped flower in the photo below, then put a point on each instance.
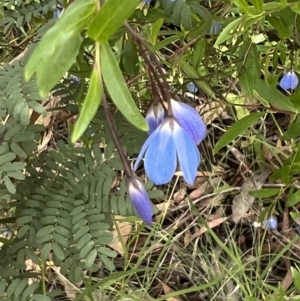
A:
(289, 81)
(139, 198)
(168, 145)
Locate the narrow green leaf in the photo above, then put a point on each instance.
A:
(118, 89)
(293, 199)
(228, 31)
(45, 252)
(155, 29)
(16, 175)
(44, 231)
(57, 51)
(258, 4)
(186, 17)
(270, 95)
(296, 278)
(7, 158)
(111, 16)
(177, 12)
(58, 252)
(238, 128)
(90, 258)
(86, 249)
(40, 297)
(54, 55)
(265, 192)
(199, 53)
(9, 185)
(90, 106)
(293, 131)
(241, 4)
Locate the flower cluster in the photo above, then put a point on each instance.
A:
(289, 81)
(172, 141)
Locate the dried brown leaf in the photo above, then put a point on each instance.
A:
(243, 201)
(120, 235)
(198, 192)
(168, 290)
(179, 195)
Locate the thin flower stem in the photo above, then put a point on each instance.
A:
(163, 87)
(113, 130)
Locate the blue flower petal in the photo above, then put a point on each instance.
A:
(140, 199)
(294, 80)
(144, 148)
(289, 81)
(191, 87)
(160, 158)
(188, 154)
(190, 120)
(151, 120)
(271, 223)
(155, 117)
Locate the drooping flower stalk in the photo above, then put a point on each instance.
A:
(135, 188)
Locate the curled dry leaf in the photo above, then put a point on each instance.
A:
(243, 201)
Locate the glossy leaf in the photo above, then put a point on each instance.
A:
(237, 129)
(118, 90)
(90, 106)
(111, 16)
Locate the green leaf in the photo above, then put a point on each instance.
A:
(238, 128)
(40, 297)
(90, 106)
(293, 131)
(177, 12)
(202, 12)
(192, 74)
(228, 31)
(54, 55)
(7, 158)
(270, 95)
(296, 278)
(18, 151)
(155, 30)
(86, 249)
(118, 89)
(258, 4)
(199, 53)
(186, 17)
(111, 16)
(296, 8)
(44, 231)
(293, 199)
(130, 59)
(90, 258)
(59, 253)
(265, 192)
(279, 26)
(57, 51)
(45, 252)
(9, 185)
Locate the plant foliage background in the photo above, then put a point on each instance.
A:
(61, 188)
